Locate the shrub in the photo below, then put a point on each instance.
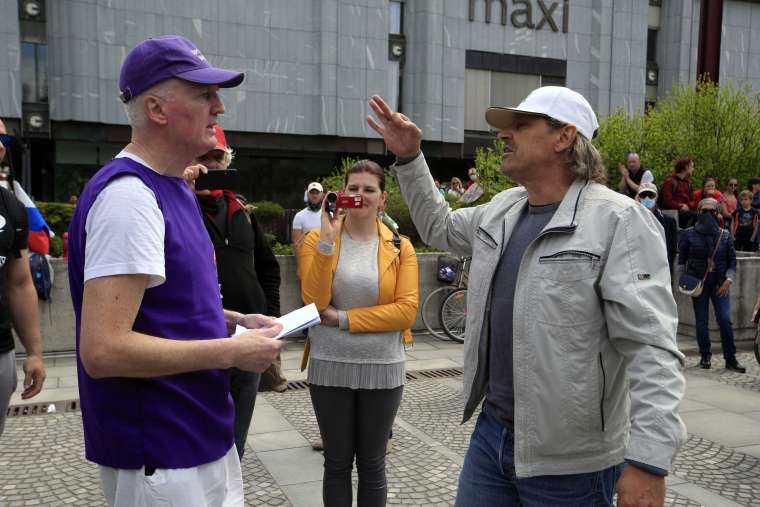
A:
(718, 126)
(57, 215)
(267, 212)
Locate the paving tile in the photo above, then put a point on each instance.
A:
(727, 398)
(293, 466)
(713, 424)
(308, 494)
(277, 440)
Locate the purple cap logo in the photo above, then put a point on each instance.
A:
(160, 58)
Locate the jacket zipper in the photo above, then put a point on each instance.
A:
(604, 390)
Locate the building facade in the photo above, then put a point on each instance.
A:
(311, 66)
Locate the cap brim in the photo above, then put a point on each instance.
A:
(503, 117)
(213, 76)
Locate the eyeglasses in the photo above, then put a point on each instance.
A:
(711, 211)
(645, 195)
(732, 184)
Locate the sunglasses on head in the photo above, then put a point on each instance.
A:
(644, 195)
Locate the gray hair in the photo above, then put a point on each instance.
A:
(582, 158)
(135, 108)
(227, 158)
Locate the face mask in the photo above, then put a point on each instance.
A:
(315, 206)
(474, 177)
(648, 202)
(708, 220)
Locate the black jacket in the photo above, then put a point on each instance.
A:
(671, 235)
(249, 274)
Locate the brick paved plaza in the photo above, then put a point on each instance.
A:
(42, 463)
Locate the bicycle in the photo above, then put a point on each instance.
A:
(452, 312)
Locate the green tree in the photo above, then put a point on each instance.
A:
(718, 126)
(490, 176)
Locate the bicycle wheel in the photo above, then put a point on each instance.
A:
(433, 299)
(756, 346)
(453, 314)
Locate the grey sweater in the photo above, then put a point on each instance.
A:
(355, 360)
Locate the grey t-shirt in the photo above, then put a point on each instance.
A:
(500, 397)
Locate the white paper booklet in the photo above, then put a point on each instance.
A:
(293, 322)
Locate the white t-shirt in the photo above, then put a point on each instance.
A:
(307, 220)
(125, 230)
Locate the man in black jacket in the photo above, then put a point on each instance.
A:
(647, 195)
(249, 275)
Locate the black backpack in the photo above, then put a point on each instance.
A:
(40, 269)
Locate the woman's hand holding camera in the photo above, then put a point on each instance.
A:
(329, 225)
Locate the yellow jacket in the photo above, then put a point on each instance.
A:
(398, 290)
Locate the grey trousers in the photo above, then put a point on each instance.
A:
(8, 383)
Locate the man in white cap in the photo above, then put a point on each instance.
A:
(310, 217)
(570, 317)
(647, 196)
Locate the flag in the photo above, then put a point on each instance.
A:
(39, 231)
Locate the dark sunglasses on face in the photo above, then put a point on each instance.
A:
(711, 211)
(645, 195)
(6, 140)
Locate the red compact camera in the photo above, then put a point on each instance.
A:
(337, 200)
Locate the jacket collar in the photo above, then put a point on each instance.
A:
(565, 219)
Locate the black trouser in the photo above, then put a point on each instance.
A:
(355, 422)
(243, 387)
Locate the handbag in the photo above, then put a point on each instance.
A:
(690, 284)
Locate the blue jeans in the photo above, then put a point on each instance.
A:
(722, 307)
(243, 387)
(488, 476)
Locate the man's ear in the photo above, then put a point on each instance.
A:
(566, 138)
(155, 110)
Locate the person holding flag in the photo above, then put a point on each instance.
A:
(19, 306)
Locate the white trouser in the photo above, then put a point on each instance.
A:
(215, 484)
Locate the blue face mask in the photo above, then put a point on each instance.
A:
(648, 202)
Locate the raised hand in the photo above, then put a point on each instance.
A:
(400, 134)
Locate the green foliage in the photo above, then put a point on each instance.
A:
(268, 212)
(282, 248)
(57, 215)
(490, 176)
(718, 126)
(56, 246)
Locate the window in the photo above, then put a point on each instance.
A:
(485, 88)
(396, 17)
(34, 72)
(652, 45)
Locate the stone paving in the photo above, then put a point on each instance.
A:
(42, 462)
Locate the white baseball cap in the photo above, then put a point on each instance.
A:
(555, 102)
(314, 186)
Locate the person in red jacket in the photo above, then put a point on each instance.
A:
(677, 192)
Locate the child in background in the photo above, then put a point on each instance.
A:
(744, 224)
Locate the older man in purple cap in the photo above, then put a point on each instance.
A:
(570, 317)
(152, 337)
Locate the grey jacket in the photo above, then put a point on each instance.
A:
(597, 373)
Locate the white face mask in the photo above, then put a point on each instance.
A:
(648, 202)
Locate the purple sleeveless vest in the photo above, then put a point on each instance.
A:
(178, 421)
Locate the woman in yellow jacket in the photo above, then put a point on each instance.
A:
(364, 282)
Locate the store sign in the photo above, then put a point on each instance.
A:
(532, 14)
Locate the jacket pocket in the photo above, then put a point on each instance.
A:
(486, 238)
(567, 389)
(569, 265)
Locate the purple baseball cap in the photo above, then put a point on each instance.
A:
(160, 58)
